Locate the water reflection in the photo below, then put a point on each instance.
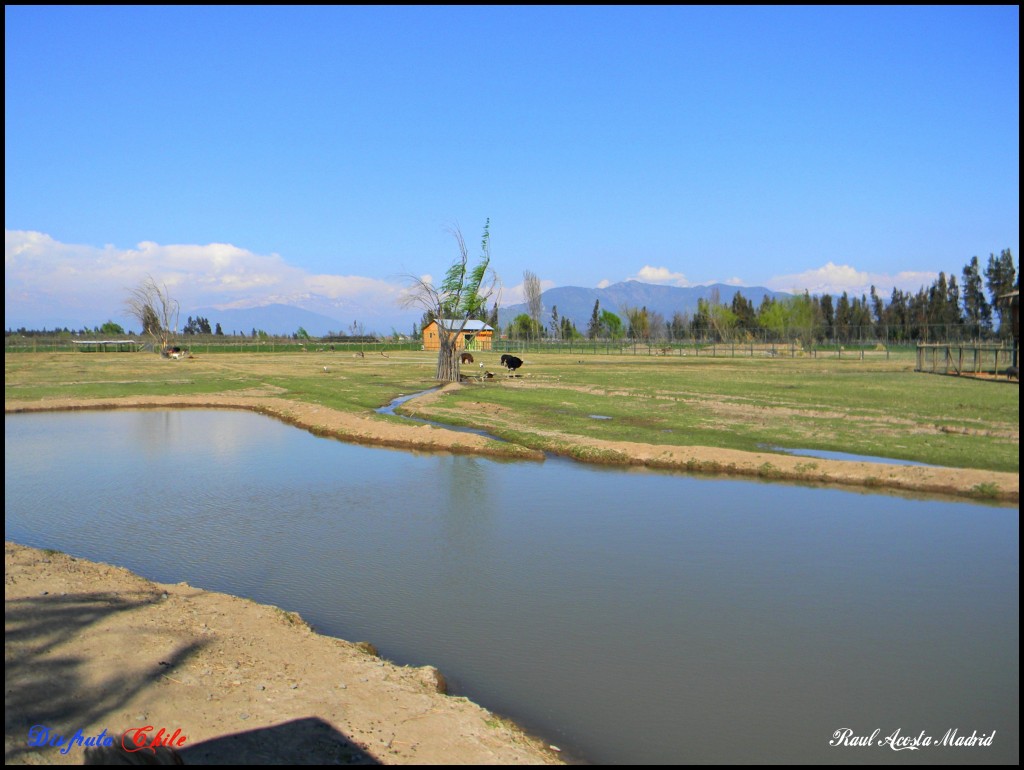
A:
(630, 617)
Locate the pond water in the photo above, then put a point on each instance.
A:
(823, 454)
(626, 616)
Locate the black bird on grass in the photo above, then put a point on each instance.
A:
(511, 362)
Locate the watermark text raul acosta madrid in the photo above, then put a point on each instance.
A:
(898, 741)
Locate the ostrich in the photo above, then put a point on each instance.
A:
(511, 362)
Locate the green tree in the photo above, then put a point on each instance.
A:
(523, 327)
(532, 292)
(569, 331)
(788, 318)
(722, 320)
(594, 327)
(977, 311)
(743, 309)
(771, 317)
(678, 326)
(611, 325)
(844, 318)
(462, 296)
(877, 309)
(639, 323)
(111, 328)
(700, 324)
(1000, 278)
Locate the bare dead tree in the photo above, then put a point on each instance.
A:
(463, 294)
(151, 304)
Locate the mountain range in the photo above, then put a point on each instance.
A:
(274, 319)
(577, 303)
(573, 302)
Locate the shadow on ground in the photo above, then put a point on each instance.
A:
(46, 686)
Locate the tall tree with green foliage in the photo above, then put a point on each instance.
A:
(782, 318)
(1001, 279)
(977, 311)
(569, 331)
(678, 326)
(111, 328)
(492, 319)
(844, 318)
(462, 296)
(743, 310)
(594, 327)
(828, 316)
(532, 292)
(522, 327)
(639, 323)
(877, 309)
(611, 325)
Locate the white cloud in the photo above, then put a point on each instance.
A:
(604, 284)
(649, 274)
(514, 295)
(42, 274)
(835, 279)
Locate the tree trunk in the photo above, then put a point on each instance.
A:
(447, 361)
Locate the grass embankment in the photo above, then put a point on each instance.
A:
(349, 384)
(576, 405)
(877, 408)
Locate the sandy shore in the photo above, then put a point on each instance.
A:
(92, 647)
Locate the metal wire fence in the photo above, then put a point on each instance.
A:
(861, 342)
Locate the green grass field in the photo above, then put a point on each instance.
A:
(875, 406)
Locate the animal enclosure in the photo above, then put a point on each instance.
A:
(965, 360)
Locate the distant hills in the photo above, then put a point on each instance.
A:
(273, 319)
(319, 316)
(577, 303)
(573, 302)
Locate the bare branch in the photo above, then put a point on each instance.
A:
(463, 293)
(151, 304)
(532, 290)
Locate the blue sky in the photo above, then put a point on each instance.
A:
(316, 155)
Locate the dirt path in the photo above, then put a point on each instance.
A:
(92, 647)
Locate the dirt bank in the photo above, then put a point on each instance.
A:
(961, 482)
(93, 647)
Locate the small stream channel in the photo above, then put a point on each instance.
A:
(389, 409)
